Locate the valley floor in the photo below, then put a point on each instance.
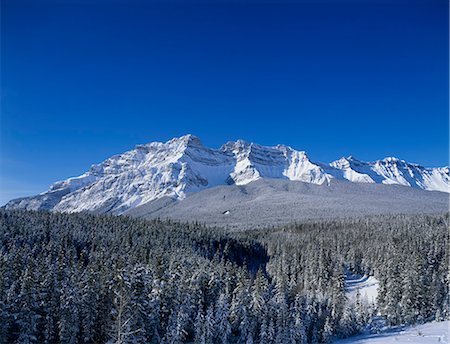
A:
(435, 332)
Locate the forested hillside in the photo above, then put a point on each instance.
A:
(78, 278)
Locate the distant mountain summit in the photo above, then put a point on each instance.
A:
(183, 165)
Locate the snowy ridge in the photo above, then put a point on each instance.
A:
(394, 171)
(183, 165)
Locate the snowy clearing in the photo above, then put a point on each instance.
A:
(367, 286)
(435, 332)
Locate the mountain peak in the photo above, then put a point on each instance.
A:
(392, 159)
(186, 140)
(285, 149)
(231, 146)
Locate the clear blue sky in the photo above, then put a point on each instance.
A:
(83, 80)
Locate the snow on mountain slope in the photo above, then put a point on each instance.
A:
(150, 172)
(275, 202)
(183, 165)
(254, 161)
(393, 171)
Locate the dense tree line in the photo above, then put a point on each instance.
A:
(79, 278)
(407, 254)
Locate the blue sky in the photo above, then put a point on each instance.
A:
(83, 80)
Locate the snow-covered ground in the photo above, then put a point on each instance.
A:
(367, 286)
(435, 332)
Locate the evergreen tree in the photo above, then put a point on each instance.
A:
(222, 316)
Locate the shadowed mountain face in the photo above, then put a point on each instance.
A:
(268, 202)
(165, 172)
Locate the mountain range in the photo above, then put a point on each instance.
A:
(183, 166)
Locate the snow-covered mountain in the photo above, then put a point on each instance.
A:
(183, 165)
(393, 171)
